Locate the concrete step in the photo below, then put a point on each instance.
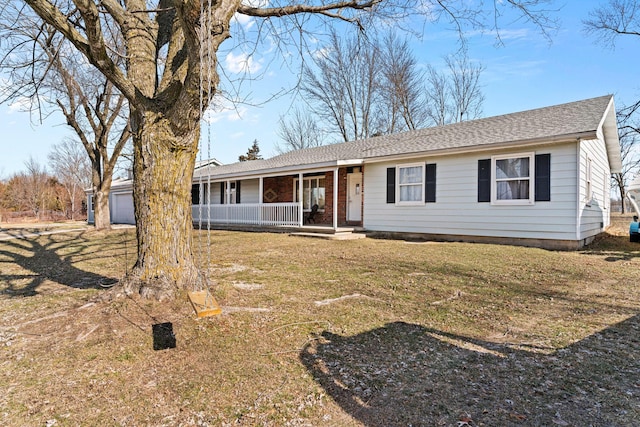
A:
(345, 235)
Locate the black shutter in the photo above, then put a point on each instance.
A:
(195, 194)
(430, 184)
(543, 178)
(237, 191)
(391, 185)
(222, 195)
(484, 180)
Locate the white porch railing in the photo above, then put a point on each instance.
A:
(268, 214)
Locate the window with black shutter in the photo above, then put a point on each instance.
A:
(391, 185)
(430, 183)
(484, 180)
(195, 194)
(543, 178)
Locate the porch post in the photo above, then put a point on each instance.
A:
(300, 206)
(335, 198)
(227, 200)
(260, 199)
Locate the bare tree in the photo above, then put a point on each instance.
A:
(402, 87)
(362, 87)
(297, 131)
(466, 95)
(606, 23)
(29, 190)
(71, 167)
(3, 199)
(344, 90)
(438, 97)
(629, 133)
(454, 95)
(47, 70)
(170, 77)
(612, 20)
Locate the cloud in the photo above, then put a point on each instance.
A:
(19, 105)
(242, 63)
(225, 112)
(255, 3)
(244, 21)
(506, 68)
(248, 21)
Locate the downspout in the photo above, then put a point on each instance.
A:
(578, 192)
(335, 199)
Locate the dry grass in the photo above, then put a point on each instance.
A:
(363, 332)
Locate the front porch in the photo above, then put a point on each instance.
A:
(282, 202)
(270, 217)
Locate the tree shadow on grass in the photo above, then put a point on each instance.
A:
(409, 375)
(47, 258)
(613, 248)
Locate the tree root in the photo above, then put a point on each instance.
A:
(161, 289)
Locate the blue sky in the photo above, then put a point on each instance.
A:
(527, 72)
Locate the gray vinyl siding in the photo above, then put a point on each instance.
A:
(594, 209)
(457, 212)
(215, 193)
(250, 191)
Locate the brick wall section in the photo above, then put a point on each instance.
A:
(283, 186)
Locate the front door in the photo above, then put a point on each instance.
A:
(354, 197)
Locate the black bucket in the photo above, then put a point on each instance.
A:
(163, 336)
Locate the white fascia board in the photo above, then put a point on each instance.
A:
(609, 126)
(284, 170)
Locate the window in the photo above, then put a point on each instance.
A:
(512, 182)
(229, 192)
(313, 190)
(588, 182)
(410, 182)
(92, 204)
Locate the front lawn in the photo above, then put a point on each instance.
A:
(315, 332)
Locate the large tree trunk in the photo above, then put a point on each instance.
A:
(163, 170)
(101, 213)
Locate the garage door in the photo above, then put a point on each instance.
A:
(122, 210)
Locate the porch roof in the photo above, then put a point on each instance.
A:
(559, 123)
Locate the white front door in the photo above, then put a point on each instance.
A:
(354, 197)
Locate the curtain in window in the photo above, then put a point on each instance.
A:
(411, 193)
(512, 179)
(512, 190)
(410, 184)
(512, 168)
(411, 175)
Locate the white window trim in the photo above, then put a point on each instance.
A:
(422, 184)
(310, 178)
(494, 180)
(588, 182)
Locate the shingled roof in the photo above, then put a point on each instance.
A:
(580, 119)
